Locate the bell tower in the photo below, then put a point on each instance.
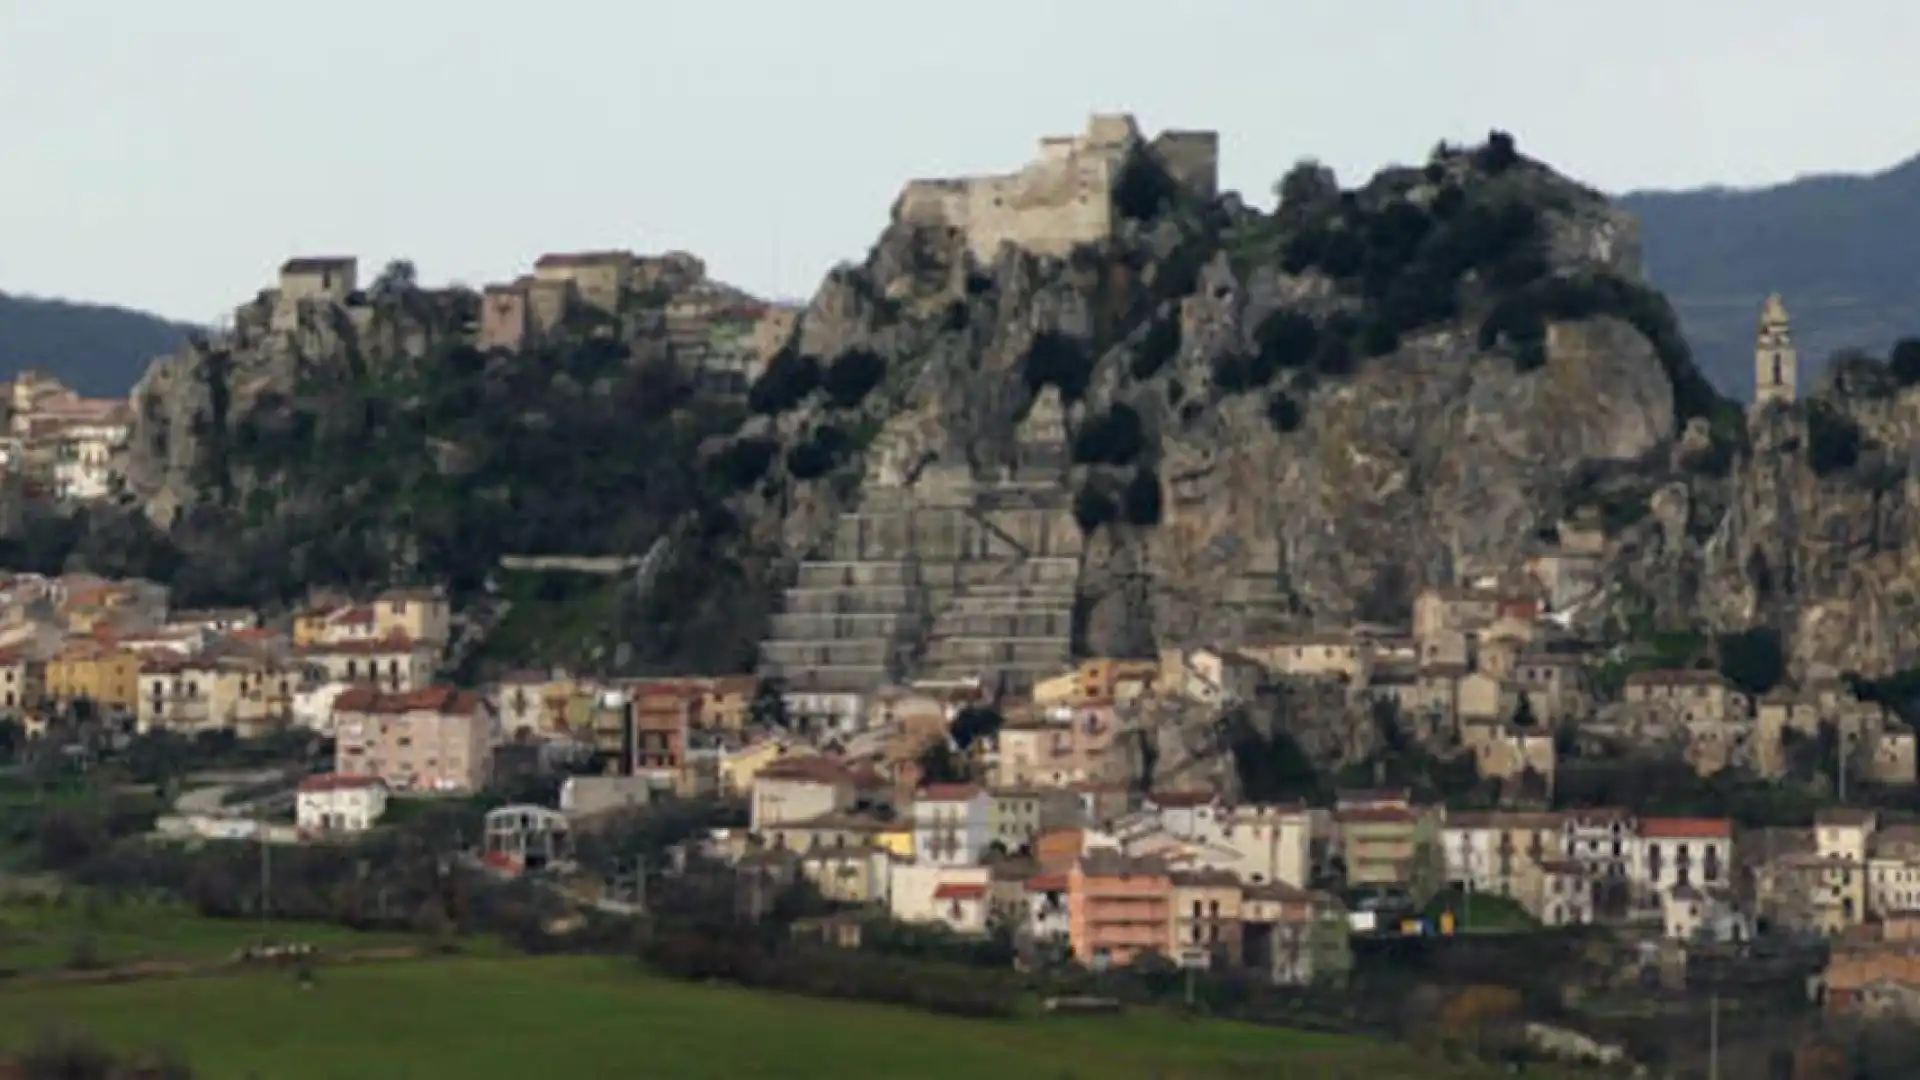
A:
(1775, 363)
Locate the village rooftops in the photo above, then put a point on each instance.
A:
(1686, 829)
(959, 890)
(947, 793)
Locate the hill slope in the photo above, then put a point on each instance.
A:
(97, 349)
(1836, 247)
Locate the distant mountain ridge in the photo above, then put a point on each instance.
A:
(97, 349)
(1836, 247)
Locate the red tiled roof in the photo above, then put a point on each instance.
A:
(1686, 828)
(446, 700)
(392, 643)
(1047, 883)
(357, 615)
(338, 782)
(956, 890)
(812, 767)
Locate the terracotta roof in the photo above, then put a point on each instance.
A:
(1376, 815)
(1843, 816)
(811, 767)
(1205, 879)
(357, 615)
(959, 890)
(1686, 828)
(1047, 883)
(446, 700)
(339, 782)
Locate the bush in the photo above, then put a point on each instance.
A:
(819, 455)
(1093, 508)
(1904, 361)
(1498, 155)
(744, 462)
(1158, 348)
(786, 382)
(1054, 359)
(1283, 412)
(1142, 499)
(1834, 440)
(1116, 438)
(852, 376)
(1286, 339)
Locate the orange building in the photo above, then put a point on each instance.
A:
(1118, 908)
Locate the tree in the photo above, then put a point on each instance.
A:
(852, 376)
(1752, 659)
(395, 278)
(1523, 714)
(973, 723)
(1307, 184)
(768, 709)
(940, 765)
(13, 736)
(1904, 361)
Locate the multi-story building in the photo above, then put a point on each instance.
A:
(435, 739)
(1295, 936)
(1394, 848)
(951, 824)
(338, 803)
(1118, 908)
(395, 665)
(1205, 908)
(88, 670)
(1672, 852)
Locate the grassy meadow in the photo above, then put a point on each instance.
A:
(510, 1018)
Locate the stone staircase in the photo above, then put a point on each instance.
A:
(962, 581)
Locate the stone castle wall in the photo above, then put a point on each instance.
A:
(1064, 198)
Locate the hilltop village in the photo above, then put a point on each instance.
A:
(927, 741)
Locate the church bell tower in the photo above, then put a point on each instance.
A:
(1775, 363)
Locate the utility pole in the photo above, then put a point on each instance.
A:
(266, 877)
(1713, 1037)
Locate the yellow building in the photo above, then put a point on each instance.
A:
(738, 769)
(896, 841)
(108, 677)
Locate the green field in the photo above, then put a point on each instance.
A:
(480, 1019)
(38, 937)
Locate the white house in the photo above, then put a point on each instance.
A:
(1047, 916)
(1674, 852)
(1702, 914)
(952, 824)
(956, 896)
(335, 803)
(1259, 844)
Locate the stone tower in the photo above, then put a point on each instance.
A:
(1775, 364)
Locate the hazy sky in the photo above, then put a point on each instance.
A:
(167, 154)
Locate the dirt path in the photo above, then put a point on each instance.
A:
(181, 969)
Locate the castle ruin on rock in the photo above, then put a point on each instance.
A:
(1065, 198)
(939, 573)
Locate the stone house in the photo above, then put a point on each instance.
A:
(1687, 696)
(859, 874)
(1339, 655)
(1893, 871)
(1439, 610)
(504, 319)
(1210, 676)
(320, 278)
(1062, 747)
(1503, 751)
(599, 278)
(797, 788)
(1556, 684)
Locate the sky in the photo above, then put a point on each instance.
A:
(169, 155)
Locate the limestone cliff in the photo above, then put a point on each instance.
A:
(1278, 419)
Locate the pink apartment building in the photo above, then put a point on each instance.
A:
(435, 739)
(1118, 908)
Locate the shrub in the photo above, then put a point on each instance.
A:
(789, 378)
(852, 376)
(1904, 361)
(1093, 508)
(744, 462)
(1141, 501)
(1283, 412)
(1160, 345)
(1498, 155)
(1833, 439)
(1054, 359)
(1286, 339)
(819, 455)
(1116, 438)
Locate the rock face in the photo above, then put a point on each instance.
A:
(1435, 459)
(1256, 422)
